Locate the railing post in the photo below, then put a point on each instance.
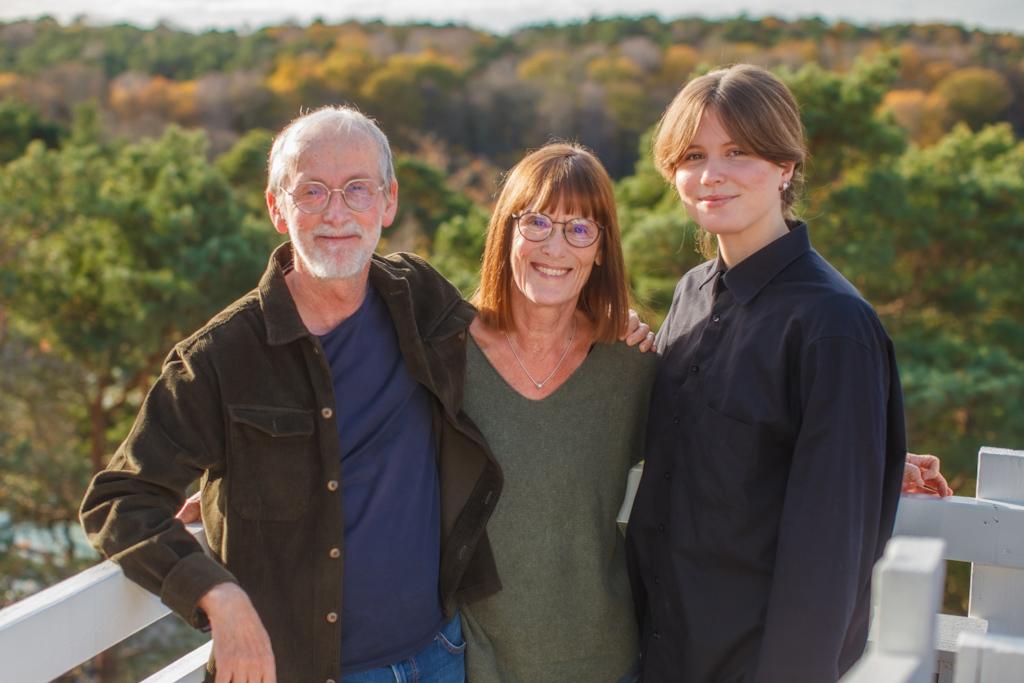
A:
(908, 584)
(997, 593)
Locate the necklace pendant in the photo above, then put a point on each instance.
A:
(565, 352)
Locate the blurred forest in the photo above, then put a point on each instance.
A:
(132, 165)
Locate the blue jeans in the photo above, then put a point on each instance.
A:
(442, 661)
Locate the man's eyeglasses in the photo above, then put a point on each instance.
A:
(313, 196)
(535, 227)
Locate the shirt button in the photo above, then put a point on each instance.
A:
(335, 553)
(716, 318)
(332, 485)
(694, 369)
(332, 617)
(327, 413)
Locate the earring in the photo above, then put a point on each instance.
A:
(784, 186)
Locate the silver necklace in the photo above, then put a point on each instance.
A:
(540, 384)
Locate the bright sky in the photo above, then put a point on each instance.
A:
(503, 15)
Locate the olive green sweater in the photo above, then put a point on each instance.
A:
(565, 611)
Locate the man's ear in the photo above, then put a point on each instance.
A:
(276, 217)
(390, 206)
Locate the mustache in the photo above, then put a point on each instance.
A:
(347, 230)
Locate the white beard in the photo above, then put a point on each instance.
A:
(339, 263)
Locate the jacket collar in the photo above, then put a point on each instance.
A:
(284, 324)
(748, 277)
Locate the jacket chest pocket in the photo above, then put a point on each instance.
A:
(271, 461)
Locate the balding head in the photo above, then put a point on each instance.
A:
(340, 124)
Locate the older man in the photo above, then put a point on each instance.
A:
(344, 494)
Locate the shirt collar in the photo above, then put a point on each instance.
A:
(712, 270)
(748, 277)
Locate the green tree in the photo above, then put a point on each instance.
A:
(425, 197)
(459, 246)
(244, 166)
(109, 253)
(840, 116)
(19, 125)
(934, 241)
(975, 95)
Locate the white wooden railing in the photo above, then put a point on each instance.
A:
(58, 628)
(986, 646)
(53, 631)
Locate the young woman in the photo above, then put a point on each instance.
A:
(776, 441)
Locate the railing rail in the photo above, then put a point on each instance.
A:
(85, 615)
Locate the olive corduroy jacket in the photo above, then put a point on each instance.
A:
(247, 404)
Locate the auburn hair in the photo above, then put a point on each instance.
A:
(567, 176)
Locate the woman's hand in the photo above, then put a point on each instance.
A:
(921, 475)
(638, 332)
(191, 510)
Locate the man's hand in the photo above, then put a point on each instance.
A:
(191, 511)
(921, 475)
(241, 646)
(637, 332)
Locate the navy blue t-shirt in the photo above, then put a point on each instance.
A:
(391, 607)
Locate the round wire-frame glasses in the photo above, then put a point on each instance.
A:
(536, 227)
(313, 196)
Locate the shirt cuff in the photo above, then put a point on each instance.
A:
(189, 580)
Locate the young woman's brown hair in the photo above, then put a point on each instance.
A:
(566, 176)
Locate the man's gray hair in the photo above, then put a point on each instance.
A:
(346, 120)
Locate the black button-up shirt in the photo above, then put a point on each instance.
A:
(775, 452)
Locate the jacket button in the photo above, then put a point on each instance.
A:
(332, 485)
(661, 528)
(327, 413)
(716, 318)
(332, 617)
(694, 369)
(335, 553)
